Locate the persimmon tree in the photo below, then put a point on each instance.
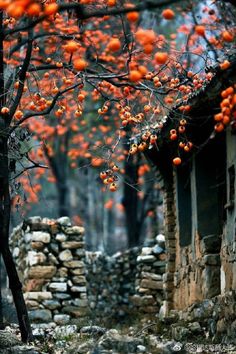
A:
(50, 53)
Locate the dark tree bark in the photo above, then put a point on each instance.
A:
(5, 210)
(59, 170)
(130, 196)
(130, 202)
(1, 304)
(62, 190)
(5, 202)
(59, 166)
(136, 209)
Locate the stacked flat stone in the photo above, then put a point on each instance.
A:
(128, 277)
(110, 281)
(149, 279)
(49, 255)
(61, 280)
(102, 282)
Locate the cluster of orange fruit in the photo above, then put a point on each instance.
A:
(19, 8)
(227, 112)
(185, 146)
(148, 139)
(222, 119)
(79, 110)
(127, 117)
(141, 72)
(226, 36)
(18, 114)
(39, 103)
(133, 16)
(109, 177)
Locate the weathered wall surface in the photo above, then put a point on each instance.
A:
(192, 272)
(197, 276)
(207, 266)
(49, 256)
(200, 280)
(169, 211)
(215, 317)
(228, 249)
(228, 266)
(62, 281)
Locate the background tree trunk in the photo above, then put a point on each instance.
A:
(1, 304)
(130, 197)
(63, 200)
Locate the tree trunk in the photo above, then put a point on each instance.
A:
(130, 202)
(63, 205)
(1, 304)
(5, 210)
(59, 170)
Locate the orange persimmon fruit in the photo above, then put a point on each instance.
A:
(111, 3)
(200, 30)
(135, 75)
(34, 9)
(177, 161)
(51, 9)
(219, 127)
(113, 187)
(114, 45)
(225, 65)
(5, 110)
(227, 36)
(168, 14)
(18, 114)
(71, 47)
(80, 64)
(161, 57)
(132, 16)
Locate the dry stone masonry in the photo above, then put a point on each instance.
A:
(49, 256)
(149, 277)
(62, 281)
(111, 281)
(126, 281)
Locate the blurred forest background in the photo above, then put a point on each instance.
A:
(108, 222)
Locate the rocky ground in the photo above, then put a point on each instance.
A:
(154, 337)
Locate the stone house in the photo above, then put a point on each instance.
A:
(199, 200)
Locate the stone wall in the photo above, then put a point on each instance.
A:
(62, 281)
(151, 265)
(169, 211)
(193, 271)
(228, 266)
(214, 319)
(126, 281)
(200, 279)
(197, 274)
(228, 248)
(203, 269)
(111, 281)
(49, 257)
